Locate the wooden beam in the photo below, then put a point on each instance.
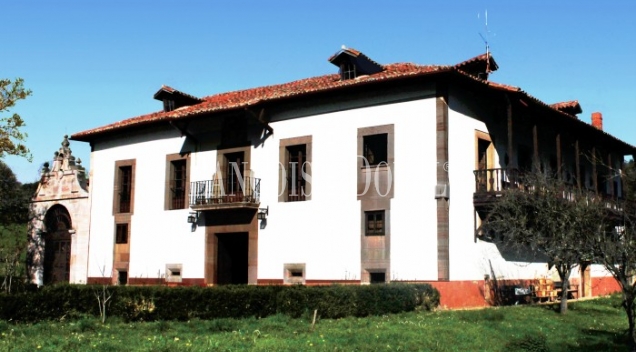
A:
(510, 134)
(443, 214)
(594, 171)
(535, 145)
(558, 150)
(577, 155)
(610, 176)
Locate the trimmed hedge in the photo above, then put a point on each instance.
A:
(150, 303)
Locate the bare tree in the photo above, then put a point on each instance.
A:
(543, 216)
(614, 246)
(103, 295)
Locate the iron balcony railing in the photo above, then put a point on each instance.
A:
(226, 191)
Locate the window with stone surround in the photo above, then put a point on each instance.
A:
(177, 187)
(121, 234)
(124, 188)
(375, 149)
(174, 272)
(294, 273)
(295, 169)
(374, 223)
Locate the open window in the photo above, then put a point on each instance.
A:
(375, 149)
(121, 234)
(377, 276)
(122, 277)
(173, 272)
(294, 274)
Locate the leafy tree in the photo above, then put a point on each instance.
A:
(14, 217)
(11, 138)
(545, 218)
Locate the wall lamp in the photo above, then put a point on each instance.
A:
(193, 218)
(262, 213)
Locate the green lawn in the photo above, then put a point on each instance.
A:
(596, 325)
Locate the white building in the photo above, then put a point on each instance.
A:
(382, 147)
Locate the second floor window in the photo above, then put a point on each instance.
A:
(125, 188)
(178, 184)
(295, 181)
(375, 149)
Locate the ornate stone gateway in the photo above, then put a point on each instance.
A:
(58, 246)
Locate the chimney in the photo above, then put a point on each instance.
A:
(597, 120)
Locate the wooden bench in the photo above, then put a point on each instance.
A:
(573, 290)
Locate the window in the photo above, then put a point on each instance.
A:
(295, 168)
(295, 160)
(125, 188)
(377, 277)
(347, 71)
(122, 277)
(173, 272)
(294, 273)
(168, 105)
(374, 223)
(375, 149)
(178, 184)
(121, 234)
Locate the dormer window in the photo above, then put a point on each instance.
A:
(168, 105)
(353, 63)
(173, 99)
(347, 71)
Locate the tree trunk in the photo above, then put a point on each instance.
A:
(564, 271)
(628, 304)
(565, 285)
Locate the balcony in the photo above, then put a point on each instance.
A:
(490, 184)
(228, 193)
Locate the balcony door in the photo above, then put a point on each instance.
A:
(484, 161)
(234, 176)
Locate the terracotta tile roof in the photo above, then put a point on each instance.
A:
(248, 97)
(304, 87)
(350, 51)
(524, 94)
(483, 58)
(571, 107)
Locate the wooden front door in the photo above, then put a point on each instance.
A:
(57, 246)
(57, 258)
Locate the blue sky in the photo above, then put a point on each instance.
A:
(92, 63)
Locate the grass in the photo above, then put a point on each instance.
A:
(596, 325)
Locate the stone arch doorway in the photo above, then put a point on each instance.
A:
(57, 245)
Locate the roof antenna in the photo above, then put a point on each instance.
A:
(485, 39)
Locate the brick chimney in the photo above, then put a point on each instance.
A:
(597, 120)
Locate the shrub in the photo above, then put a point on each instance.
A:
(151, 303)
